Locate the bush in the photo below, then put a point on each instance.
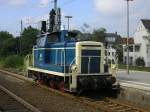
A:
(140, 62)
(13, 61)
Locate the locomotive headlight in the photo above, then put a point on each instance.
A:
(74, 68)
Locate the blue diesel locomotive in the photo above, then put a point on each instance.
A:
(61, 61)
(70, 65)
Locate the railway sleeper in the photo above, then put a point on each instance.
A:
(117, 107)
(124, 110)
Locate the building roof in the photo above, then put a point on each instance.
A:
(112, 35)
(124, 40)
(146, 23)
(115, 36)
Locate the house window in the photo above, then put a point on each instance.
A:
(125, 49)
(113, 54)
(148, 50)
(130, 48)
(137, 48)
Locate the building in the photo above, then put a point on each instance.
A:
(111, 39)
(141, 45)
(132, 52)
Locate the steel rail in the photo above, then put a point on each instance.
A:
(20, 100)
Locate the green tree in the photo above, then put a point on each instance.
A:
(140, 61)
(4, 35)
(9, 47)
(119, 49)
(82, 36)
(79, 34)
(7, 43)
(99, 35)
(28, 39)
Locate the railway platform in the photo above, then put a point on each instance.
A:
(135, 87)
(134, 76)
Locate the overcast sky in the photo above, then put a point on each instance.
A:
(110, 14)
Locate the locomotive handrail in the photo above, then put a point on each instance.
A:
(70, 67)
(72, 62)
(69, 74)
(27, 63)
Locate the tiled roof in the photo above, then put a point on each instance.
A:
(124, 40)
(146, 23)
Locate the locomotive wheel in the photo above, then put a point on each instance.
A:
(52, 84)
(62, 86)
(41, 82)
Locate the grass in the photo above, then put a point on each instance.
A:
(13, 61)
(136, 68)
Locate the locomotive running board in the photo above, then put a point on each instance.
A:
(47, 71)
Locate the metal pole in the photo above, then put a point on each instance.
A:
(21, 27)
(128, 35)
(68, 23)
(68, 18)
(20, 36)
(55, 5)
(56, 16)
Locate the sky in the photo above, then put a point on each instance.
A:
(110, 14)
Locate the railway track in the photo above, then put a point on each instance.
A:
(111, 105)
(9, 102)
(107, 104)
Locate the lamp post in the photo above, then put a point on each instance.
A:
(68, 17)
(128, 35)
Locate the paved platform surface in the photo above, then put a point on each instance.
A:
(134, 76)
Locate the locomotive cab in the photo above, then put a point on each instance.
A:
(89, 71)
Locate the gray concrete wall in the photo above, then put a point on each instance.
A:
(137, 96)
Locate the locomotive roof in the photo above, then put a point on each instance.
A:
(73, 34)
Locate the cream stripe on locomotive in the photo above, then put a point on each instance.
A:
(47, 71)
